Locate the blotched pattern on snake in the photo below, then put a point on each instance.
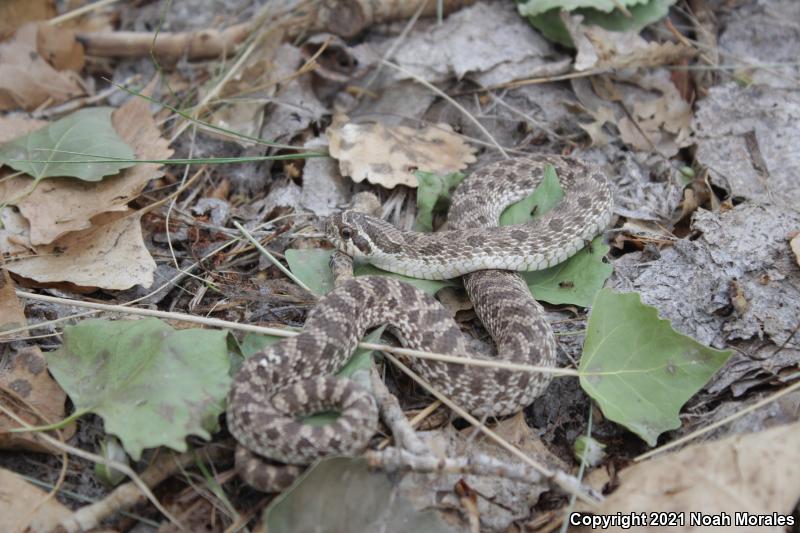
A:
(291, 379)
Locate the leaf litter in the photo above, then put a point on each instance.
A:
(708, 250)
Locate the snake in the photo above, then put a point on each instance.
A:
(276, 389)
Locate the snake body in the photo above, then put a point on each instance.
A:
(291, 379)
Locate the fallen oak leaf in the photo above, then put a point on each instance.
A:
(390, 156)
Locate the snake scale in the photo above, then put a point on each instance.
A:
(291, 379)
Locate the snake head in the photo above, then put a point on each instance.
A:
(347, 232)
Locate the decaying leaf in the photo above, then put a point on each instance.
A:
(152, 385)
(36, 398)
(660, 122)
(27, 80)
(61, 205)
(110, 255)
(24, 507)
(15, 233)
(389, 156)
(60, 148)
(603, 49)
(754, 473)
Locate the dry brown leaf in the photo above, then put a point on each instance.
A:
(61, 205)
(794, 244)
(59, 47)
(23, 506)
(598, 48)
(15, 13)
(110, 255)
(389, 156)
(754, 473)
(660, 122)
(595, 129)
(12, 315)
(39, 400)
(27, 80)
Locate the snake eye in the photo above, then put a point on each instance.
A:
(347, 233)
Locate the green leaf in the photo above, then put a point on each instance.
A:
(350, 497)
(255, 342)
(638, 369)
(543, 199)
(544, 15)
(311, 266)
(576, 280)
(152, 385)
(433, 190)
(88, 131)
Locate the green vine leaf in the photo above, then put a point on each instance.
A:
(637, 368)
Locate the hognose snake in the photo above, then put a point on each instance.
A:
(293, 378)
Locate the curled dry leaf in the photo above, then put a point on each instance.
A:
(27, 80)
(389, 156)
(754, 473)
(110, 255)
(61, 205)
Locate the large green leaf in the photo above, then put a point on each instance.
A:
(544, 198)
(44, 152)
(311, 266)
(152, 385)
(544, 15)
(433, 191)
(350, 498)
(576, 280)
(637, 368)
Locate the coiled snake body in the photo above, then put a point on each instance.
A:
(293, 378)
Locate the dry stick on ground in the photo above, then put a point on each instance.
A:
(127, 495)
(345, 18)
(215, 322)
